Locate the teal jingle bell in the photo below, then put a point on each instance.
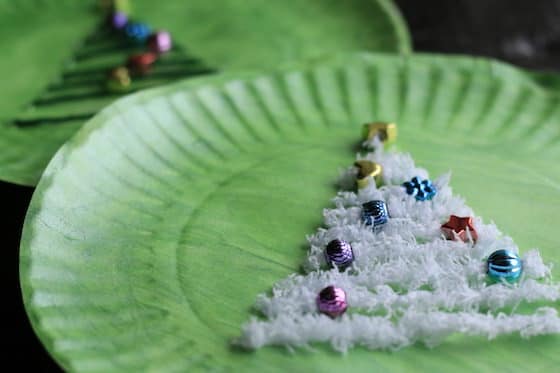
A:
(504, 265)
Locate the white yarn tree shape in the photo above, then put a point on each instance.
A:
(407, 283)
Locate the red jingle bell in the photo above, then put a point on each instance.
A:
(141, 63)
(456, 228)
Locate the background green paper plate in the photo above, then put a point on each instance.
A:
(40, 36)
(155, 227)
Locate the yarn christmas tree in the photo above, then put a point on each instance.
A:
(119, 56)
(404, 260)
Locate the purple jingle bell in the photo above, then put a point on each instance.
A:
(119, 20)
(160, 42)
(332, 301)
(339, 254)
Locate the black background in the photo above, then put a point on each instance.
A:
(526, 33)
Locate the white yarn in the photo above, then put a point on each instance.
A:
(408, 283)
(377, 332)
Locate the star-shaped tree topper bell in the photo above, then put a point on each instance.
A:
(456, 229)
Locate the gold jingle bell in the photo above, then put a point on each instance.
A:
(118, 80)
(105, 5)
(367, 171)
(122, 6)
(114, 6)
(386, 132)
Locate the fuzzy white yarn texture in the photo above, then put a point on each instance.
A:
(407, 284)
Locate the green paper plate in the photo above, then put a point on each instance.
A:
(548, 79)
(253, 34)
(42, 36)
(154, 228)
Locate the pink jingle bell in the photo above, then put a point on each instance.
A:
(332, 301)
(160, 42)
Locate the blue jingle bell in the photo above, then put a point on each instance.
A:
(374, 213)
(504, 265)
(420, 189)
(138, 32)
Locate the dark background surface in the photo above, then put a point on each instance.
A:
(526, 33)
(523, 32)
